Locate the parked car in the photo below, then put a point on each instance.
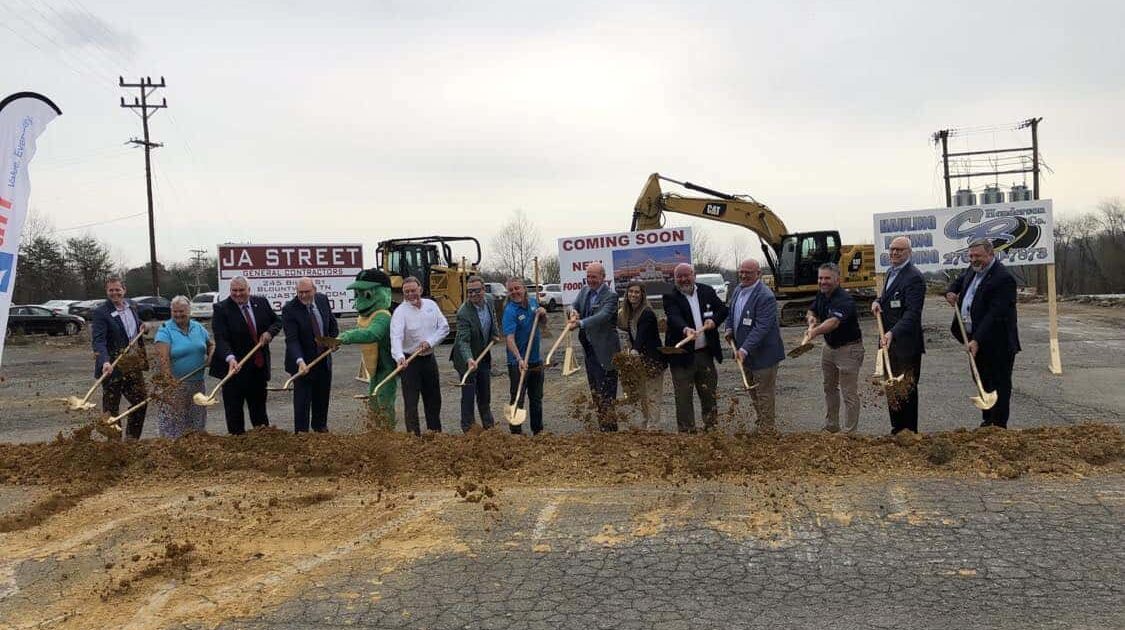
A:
(85, 308)
(496, 290)
(32, 319)
(203, 305)
(550, 297)
(716, 282)
(154, 306)
(58, 306)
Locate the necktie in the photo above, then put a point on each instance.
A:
(315, 327)
(259, 360)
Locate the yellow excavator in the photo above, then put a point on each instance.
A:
(793, 258)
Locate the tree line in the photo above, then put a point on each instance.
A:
(1090, 250)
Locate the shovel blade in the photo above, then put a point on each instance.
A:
(799, 350)
(75, 403)
(516, 416)
(672, 350)
(203, 400)
(986, 402)
(570, 366)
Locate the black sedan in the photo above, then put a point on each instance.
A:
(85, 308)
(151, 307)
(36, 319)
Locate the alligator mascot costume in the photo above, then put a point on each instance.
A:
(373, 332)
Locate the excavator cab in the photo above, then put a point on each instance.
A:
(430, 259)
(801, 255)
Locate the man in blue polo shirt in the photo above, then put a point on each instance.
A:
(519, 314)
(834, 315)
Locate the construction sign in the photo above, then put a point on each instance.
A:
(272, 271)
(648, 256)
(1022, 233)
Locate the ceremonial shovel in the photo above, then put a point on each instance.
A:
(516, 416)
(570, 366)
(985, 400)
(805, 346)
(483, 353)
(389, 376)
(679, 347)
(114, 422)
(741, 368)
(288, 386)
(75, 403)
(885, 372)
(209, 399)
(565, 332)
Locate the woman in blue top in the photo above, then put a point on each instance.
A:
(183, 346)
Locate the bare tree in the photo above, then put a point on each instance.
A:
(513, 247)
(549, 268)
(1112, 217)
(706, 256)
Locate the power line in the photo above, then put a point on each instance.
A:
(147, 88)
(96, 223)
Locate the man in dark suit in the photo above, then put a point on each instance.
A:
(900, 305)
(115, 323)
(986, 297)
(476, 327)
(595, 317)
(239, 323)
(694, 309)
(754, 327)
(305, 318)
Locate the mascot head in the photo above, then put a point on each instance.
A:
(372, 291)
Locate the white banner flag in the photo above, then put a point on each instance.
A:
(23, 117)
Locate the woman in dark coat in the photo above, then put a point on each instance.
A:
(637, 318)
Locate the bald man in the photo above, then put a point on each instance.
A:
(904, 295)
(755, 329)
(694, 310)
(240, 322)
(595, 318)
(306, 317)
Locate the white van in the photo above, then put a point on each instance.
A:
(203, 305)
(716, 282)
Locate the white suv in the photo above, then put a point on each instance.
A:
(716, 282)
(203, 305)
(550, 296)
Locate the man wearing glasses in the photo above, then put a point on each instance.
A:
(476, 327)
(901, 304)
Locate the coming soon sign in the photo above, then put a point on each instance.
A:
(273, 270)
(647, 256)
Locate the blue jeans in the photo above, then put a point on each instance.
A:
(477, 391)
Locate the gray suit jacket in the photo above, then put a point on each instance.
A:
(470, 339)
(761, 338)
(599, 329)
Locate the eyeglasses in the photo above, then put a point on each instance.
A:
(475, 291)
(898, 249)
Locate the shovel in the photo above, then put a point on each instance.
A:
(805, 346)
(114, 422)
(75, 403)
(558, 342)
(741, 368)
(288, 386)
(570, 366)
(209, 399)
(679, 347)
(516, 416)
(483, 354)
(884, 355)
(389, 377)
(985, 400)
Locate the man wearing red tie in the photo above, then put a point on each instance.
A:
(240, 322)
(306, 318)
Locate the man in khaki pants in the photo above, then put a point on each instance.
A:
(834, 315)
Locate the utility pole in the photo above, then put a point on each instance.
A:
(147, 88)
(195, 267)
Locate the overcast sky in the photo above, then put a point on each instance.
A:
(359, 121)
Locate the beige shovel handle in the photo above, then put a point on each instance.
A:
(394, 373)
(558, 342)
(972, 359)
(686, 340)
(230, 374)
(116, 419)
(308, 366)
(741, 368)
(480, 356)
(885, 355)
(523, 373)
(113, 366)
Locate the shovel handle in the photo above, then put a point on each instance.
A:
(117, 419)
(741, 368)
(395, 372)
(972, 359)
(558, 342)
(246, 358)
(523, 373)
(308, 366)
(480, 356)
(686, 340)
(113, 366)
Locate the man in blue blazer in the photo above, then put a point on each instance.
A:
(986, 297)
(694, 309)
(900, 305)
(595, 317)
(115, 323)
(304, 318)
(754, 327)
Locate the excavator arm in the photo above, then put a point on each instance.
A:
(741, 210)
